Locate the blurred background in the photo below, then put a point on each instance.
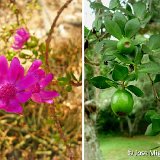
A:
(44, 133)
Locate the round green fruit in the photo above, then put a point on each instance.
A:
(125, 46)
(122, 102)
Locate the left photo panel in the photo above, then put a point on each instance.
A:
(41, 80)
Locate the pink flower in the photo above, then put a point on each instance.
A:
(39, 93)
(20, 38)
(13, 85)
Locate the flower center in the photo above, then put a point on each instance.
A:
(7, 91)
(36, 88)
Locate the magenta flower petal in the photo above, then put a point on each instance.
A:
(39, 74)
(20, 38)
(45, 81)
(35, 65)
(21, 31)
(26, 82)
(14, 85)
(16, 47)
(49, 101)
(14, 107)
(3, 67)
(2, 104)
(48, 94)
(23, 97)
(39, 94)
(16, 71)
(36, 98)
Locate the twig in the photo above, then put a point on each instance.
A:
(153, 88)
(17, 12)
(48, 40)
(91, 63)
(59, 128)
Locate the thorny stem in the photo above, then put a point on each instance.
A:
(17, 11)
(59, 128)
(48, 40)
(153, 88)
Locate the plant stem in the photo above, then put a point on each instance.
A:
(153, 88)
(48, 40)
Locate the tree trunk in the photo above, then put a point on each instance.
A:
(130, 126)
(91, 145)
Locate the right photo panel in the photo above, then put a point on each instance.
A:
(121, 79)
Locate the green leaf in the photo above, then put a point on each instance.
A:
(62, 81)
(149, 131)
(89, 71)
(112, 83)
(120, 19)
(107, 56)
(98, 47)
(100, 82)
(86, 32)
(110, 43)
(97, 23)
(149, 114)
(150, 67)
(157, 78)
(154, 58)
(146, 49)
(153, 43)
(135, 90)
(119, 72)
(113, 28)
(97, 5)
(139, 9)
(131, 77)
(139, 56)
(132, 27)
(146, 19)
(35, 52)
(68, 88)
(155, 123)
(128, 8)
(122, 58)
(114, 4)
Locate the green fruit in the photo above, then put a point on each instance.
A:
(125, 46)
(122, 102)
